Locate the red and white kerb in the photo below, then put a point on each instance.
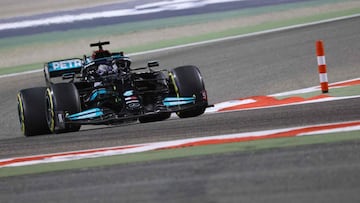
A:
(322, 66)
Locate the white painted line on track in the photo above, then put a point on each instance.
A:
(215, 40)
(311, 89)
(22, 73)
(337, 130)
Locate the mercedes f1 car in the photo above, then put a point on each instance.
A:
(104, 89)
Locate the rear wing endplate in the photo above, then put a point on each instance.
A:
(61, 67)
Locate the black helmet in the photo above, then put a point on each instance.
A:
(123, 63)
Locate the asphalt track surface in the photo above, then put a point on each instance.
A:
(257, 65)
(301, 174)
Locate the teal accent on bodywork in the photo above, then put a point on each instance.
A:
(91, 113)
(175, 101)
(97, 93)
(128, 93)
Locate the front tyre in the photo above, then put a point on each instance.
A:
(32, 111)
(62, 99)
(188, 82)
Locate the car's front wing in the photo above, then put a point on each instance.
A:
(97, 116)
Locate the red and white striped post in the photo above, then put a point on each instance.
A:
(322, 66)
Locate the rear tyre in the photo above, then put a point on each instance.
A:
(62, 98)
(32, 111)
(188, 82)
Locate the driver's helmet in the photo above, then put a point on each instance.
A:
(105, 69)
(123, 64)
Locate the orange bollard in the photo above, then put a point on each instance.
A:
(322, 66)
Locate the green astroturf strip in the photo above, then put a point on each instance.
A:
(182, 152)
(22, 68)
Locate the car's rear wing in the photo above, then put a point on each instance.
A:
(61, 68)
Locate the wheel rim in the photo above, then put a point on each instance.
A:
(50, 111)
(21, 113)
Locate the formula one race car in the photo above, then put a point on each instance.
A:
(104, 89)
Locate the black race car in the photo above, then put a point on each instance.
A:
(104, 89)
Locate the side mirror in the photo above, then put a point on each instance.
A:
(153, 64)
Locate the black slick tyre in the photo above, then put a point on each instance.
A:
(62, 98)
(188, 82)
(32, 111)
